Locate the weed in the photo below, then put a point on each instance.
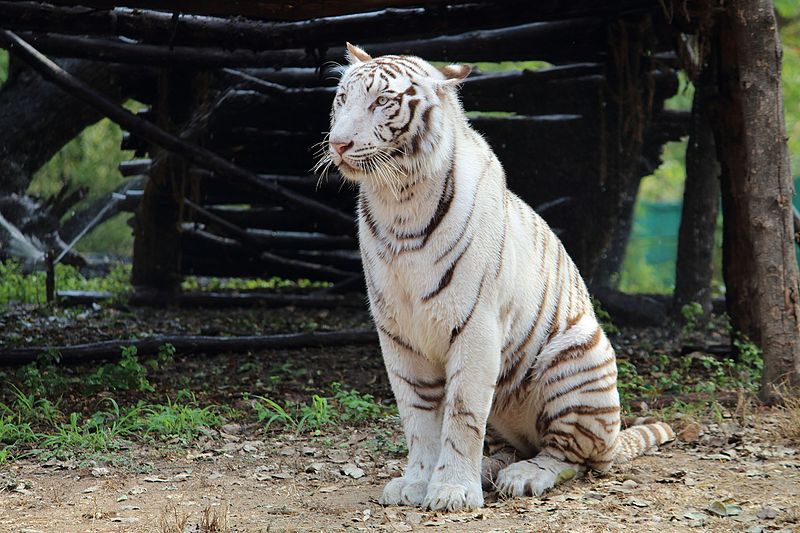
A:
(126, 374)
(342, 406)
(629, 383)
(354, 406)
(604, 318)
(181, 419)
(789, 426)
(388, 442)
(692, 313)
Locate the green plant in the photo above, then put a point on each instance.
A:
(354, 406)
(270, 411)
(691, 314)
(181, 419)
(343, 406)
(603, 317)
(126, 374)
(630, 384)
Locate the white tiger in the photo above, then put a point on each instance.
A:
(482, 316)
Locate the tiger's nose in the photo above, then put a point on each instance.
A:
(342, 147)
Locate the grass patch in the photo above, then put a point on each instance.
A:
(197, 283)
(16, 286)
(341, 406)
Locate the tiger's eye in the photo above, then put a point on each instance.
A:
(342, 97)
(382, 100)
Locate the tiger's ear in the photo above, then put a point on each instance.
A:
(454, 75)
(356, 54)
(456, 72)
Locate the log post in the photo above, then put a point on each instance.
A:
(156, 249)
(694, 266)
(760, 267)
(624, 120)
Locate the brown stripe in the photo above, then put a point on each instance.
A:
(445, 200)
(447, 277)
(452, 444)
(400, 342)
(576, 351)
(412, 107)
(605, 362)
(366, 214)
(544, 421)
(579, 385)
(458, 329)
(475, 429)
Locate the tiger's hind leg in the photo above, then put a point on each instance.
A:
(498, 454)
(578, 416)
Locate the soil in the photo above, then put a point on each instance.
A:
(733, 470)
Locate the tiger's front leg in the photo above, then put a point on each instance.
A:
(418, 387)
(472, 368)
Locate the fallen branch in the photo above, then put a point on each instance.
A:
(197, 155)
(195, 344)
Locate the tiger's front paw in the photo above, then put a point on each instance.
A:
(402, 491)
(451, 497)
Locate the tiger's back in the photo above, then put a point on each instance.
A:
(482, 316)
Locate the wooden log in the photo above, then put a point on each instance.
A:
(135, 167)
(209, 254)
(301, 240)
(266, 217)
(519, 43)
(193, 153)
(158, 27)
(156, 244)
(111, 349)
(214, 299)
(694, 266)
(281, 10)
(225, 299)
(759, 263)
(634, 309)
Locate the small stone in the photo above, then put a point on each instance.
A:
(352, 470)
(629, 484)
(767, 513)
(315, 468)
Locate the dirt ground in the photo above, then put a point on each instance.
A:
(730, 471)
(291, 483)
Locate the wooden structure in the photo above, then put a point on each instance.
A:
(238, 94)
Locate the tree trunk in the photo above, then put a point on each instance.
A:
(156, 249)
(32, 133)
(758, 249)
(694, 267)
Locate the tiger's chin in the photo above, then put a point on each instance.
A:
(349, 172)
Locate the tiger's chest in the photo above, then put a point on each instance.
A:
(401, 287)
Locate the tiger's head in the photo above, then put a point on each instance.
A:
(388, 115)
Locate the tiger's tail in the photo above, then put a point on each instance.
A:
(642, 434)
